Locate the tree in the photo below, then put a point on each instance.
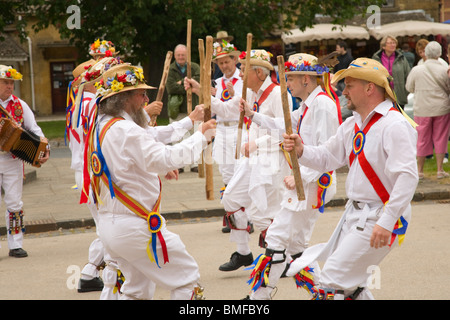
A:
(144, 30)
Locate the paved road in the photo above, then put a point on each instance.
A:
(416, 270)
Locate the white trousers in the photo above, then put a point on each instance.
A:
(290, 232)
(236, 196)
(348, 256)
(224, 150)
(126, 237)
(11, 180)
(96, 249)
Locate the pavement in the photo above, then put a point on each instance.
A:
(60, 230)
(52, 203)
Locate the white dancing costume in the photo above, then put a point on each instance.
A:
(390, 148)
(316, 121)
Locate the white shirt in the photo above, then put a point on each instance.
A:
(237, 92)
(135, 159)
(265, 140)
(318, 125)
(390, 148)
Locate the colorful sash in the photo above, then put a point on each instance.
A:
(325, 180)
(358, 151)
(258, 103)
(225, 93)
(69, 110)
(153, 217)
(263, 97)
(86, 116)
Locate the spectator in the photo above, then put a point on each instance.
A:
(410, 56)
(177, 106)
(431, 86)
(420, 50)
(396, 64)
(345, 58)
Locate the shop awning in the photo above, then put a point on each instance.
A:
(325, 31)
(410, 28)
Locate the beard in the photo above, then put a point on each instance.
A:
(140, 118)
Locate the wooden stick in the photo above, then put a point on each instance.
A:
(244, 94)
(162, 84)
(188, 69)
(288, 125)
(201, 50)
(206, 91)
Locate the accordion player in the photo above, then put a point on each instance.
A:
(21, 143)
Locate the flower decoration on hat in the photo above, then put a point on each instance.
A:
(257, 54)
(258, 58)
(302, 63)
(10, 73)
(223, 48)
(93, 72)
(133, 76)
(102, 47)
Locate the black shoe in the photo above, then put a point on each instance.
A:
(18, 253)
(226, 229)
(180, 170)
(95, 284)
(195, 169)
(237, 260)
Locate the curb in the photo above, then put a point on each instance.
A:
(38, 226)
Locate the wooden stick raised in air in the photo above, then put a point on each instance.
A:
(288, 125)
(188, 68)
(162, 84)
(244, 94)
(206, 91)
(201, 50)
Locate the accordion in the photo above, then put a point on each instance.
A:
(21, 143)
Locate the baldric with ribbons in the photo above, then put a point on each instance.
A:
(153, 217)
(325, 180)
(358, 143)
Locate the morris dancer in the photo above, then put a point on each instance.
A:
(225, 55)
(315, 121)
(254, 191)
(81, 116)
(12, 168)
(125, 162)
(379, 146)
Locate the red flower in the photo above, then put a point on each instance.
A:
(8, 74)
(288, 66)
(306, 63)
(122, 78)
(242, 55)
(108, 53)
